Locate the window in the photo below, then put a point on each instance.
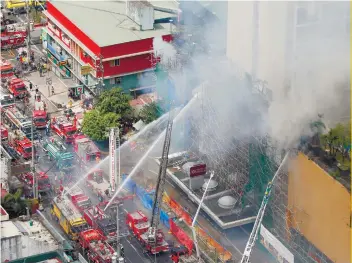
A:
(116, 80)
(114, 63)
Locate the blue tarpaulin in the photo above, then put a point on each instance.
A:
(146, 198)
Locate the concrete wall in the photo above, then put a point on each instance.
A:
(271, 44)
(321, 208)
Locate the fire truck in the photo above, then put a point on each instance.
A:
(16, 120)
(6, 70)
(78, 198)
(103, 222)
(86, 150)
(40, 117)
(21, 144)
(68, 216)
(43, 181)
(64, 129)
(6, 101)
(101, 187)
(17, 88)
(99, 251)
(12, 40)
(138, 224)
(59, 154)
(4, 132)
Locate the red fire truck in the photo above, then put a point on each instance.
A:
(64, 129)
(43, 181)
(17, 88)
(101, 221)
(138, 224)
(40, 117)
(87, 152)
(78, 198)
(21, 144)
(4, 132)
(12, 40)
(99, 251)
(6, 70)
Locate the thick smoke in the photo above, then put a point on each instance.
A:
(321, 74)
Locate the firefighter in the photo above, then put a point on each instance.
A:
(30, 86)
(52, 91)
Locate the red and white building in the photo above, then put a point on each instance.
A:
(105, 44)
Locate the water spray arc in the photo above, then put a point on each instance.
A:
(135, 169)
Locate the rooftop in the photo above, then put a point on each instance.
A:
(110, 25)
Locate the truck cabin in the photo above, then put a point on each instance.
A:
(43, 182)
(25, 147)
(6, 100)
(83, 202)
(96, 176)
(26, 128)
(107, 226)
(89, 236)
(78, 226)
(6, 70)
(138, 222)
(39, 118)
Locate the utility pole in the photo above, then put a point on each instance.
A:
(35, 181)
(28, 31)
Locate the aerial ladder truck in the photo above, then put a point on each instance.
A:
(155, 237)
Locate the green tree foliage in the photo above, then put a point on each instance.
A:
(337, 141)
(114, 100)
(317, 127)
(95, 124)
(150, 112)
(14, 204)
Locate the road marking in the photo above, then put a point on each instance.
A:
(125, 211)
(135, 249)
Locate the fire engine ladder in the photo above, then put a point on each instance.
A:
(160, 183)
(258, 222)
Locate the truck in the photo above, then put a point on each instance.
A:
(138, 224)
(16, 120)
(40, 116)
(43, 181)
(96, 182)
(17, 88)
(4, 132)
(7, 71)
(98, 250)
(86, 151)
(6, 101)
(58, 153)
(64, 129)
(78, 198)
(68, 216)
(101, 221)
(21, 144)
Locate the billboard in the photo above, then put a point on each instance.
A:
(275, 247)
(112, 149)
(197, 170)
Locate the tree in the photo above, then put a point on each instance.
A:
(14, 205)
(114, 100)
(95, 124)
(150, 112)
(317, 127)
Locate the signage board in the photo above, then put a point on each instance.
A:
(85, 70)
(275, 247)
(112, 148)
(197, 170)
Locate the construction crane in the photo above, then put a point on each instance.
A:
(152, 232)
(258, 221)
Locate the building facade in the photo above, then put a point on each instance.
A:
(101, 45)
(279, 41)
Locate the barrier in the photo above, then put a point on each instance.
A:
(181, 236)
(213, 249)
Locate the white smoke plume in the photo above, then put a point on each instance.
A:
(321, 74)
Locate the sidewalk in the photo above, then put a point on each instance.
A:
(60, 89)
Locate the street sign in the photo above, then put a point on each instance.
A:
(85, 70)
(197, 170)
(63, 63)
